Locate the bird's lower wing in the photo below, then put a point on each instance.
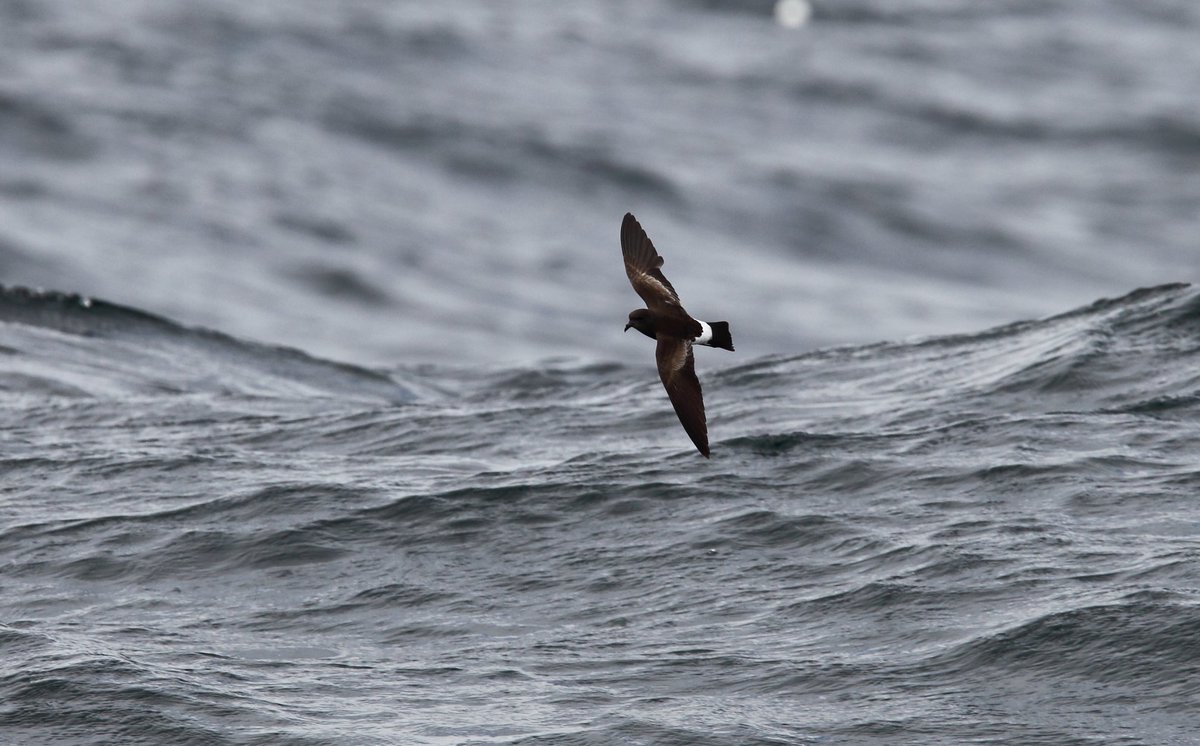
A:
(677, 369)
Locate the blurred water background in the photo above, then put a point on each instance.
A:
(317, 425)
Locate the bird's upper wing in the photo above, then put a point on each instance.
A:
(677, 369)
(642, 264)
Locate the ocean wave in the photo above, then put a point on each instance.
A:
(70, 344)
(1126, 645)
(1129, 352)
(30, 125)
(514, 153)
(879, 522)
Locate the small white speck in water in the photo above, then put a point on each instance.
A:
(792, 13)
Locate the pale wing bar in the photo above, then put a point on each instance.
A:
(642, 265)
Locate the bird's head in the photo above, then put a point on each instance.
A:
(643, 321)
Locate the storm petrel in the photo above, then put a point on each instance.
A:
(665, 320)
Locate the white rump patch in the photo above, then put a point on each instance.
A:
(705, 334)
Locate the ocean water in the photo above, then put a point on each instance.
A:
(317, 424)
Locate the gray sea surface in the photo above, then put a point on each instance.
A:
(318, 426)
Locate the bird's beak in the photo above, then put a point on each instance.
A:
(627, 327)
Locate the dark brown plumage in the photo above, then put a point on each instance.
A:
(665, 320)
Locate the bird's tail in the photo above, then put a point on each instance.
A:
(720, 335)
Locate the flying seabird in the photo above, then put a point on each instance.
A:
(665, 320)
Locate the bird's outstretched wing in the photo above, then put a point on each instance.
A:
(642, 264)
(677, 369)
